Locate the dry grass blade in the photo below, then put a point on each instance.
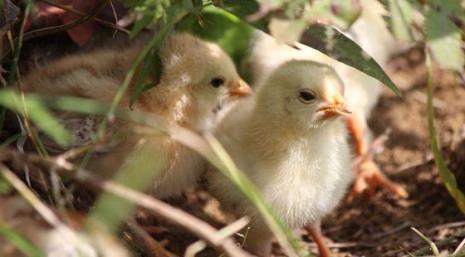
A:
(225, 232)
(227, 166)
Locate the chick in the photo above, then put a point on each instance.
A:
(371, 33)
(197, 76)
(290, 142)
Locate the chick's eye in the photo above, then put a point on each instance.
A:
(216, 82)
(306, 96)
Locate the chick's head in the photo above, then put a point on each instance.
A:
(204, 69)
(303, 93)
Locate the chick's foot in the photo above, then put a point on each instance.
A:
(369, 177)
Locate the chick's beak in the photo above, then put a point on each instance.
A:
(239, 88)
(333, 110)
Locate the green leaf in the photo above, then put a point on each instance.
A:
(335, 44)
(20, 242)
(147, 161)
(217, 25)
(401, 19)
(35, 110)
(443, 37)
(446, 175)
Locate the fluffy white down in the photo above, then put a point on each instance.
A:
(306, 180)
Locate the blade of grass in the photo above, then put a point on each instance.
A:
(446, 175)
(281, 231)
(433, 247)
(37, 112)
(20, 242)
(139, 172)
(14, 75)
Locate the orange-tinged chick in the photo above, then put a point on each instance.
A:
(197, 76)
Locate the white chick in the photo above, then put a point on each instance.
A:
(289, 141)
(362, 91)
(197, 76)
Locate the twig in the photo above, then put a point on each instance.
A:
(153, 247)
(77, 12)
(225, 232)
(413, 164)
(448, 225)
(159, 208)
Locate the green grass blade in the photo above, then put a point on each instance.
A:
(431, 244)
(228, 168)
(138, 172)
(38, 113)
(446, 175)
(20, 242)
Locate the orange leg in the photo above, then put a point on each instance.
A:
(368, 175)
(317, 237)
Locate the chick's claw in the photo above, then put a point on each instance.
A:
(369, 177)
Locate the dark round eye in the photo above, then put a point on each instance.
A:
(216, 82)
(306, 96)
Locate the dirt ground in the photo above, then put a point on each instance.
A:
(380, 226)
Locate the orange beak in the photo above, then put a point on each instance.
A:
(333, 110)
(239, 88)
